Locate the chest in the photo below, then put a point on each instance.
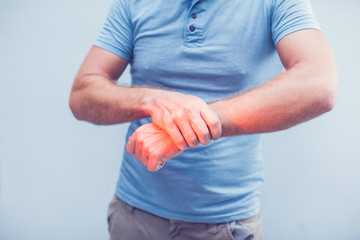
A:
(202, 44)
(200, 24)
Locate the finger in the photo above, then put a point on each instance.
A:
(174, 133)
(201, 129)
(213, 123)
(130, 146)
(154, 161)
(154, 165)
(138, 155)
(144, 157)
(188, 132)
(159, 166)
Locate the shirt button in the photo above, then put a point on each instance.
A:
(192, 28)
(193, 15)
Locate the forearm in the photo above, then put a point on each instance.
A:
(99, 100)
(187, 119)
(293, 97)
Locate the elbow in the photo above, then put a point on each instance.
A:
(330, 85)
(75, 106)
(328, 101)
(328, 96)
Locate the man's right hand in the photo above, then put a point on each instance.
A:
(152, 146)
(187, 119)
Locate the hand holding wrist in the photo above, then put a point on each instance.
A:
(187, 119)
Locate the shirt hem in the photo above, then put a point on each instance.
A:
(112, 49)
(292, 30)
(196, 219)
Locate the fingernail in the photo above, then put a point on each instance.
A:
(184, 147)
(208, 139)
(158, 167)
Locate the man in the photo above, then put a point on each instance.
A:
(201, 71)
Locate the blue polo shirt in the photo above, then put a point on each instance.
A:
(211, 49)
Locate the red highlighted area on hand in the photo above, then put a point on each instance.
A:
(152, 146)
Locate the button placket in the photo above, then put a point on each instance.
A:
(192, 20)
(193, 34)
(192, 27)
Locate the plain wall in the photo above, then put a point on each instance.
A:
(57, 175)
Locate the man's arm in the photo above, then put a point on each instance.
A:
(95, 97)
(306, 90)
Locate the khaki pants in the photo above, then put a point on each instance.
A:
(130, 223)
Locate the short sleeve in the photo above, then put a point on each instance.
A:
(289, 16)
(116, 35)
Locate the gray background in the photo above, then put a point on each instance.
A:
(57, 175)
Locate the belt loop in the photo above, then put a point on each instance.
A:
(232, 226)
(212, 228)
(132, 209)
(126, 206)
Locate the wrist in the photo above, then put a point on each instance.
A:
(147, 100)
(217, 108)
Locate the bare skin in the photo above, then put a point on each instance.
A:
(95, 97)
(306, 90)
(147, 148)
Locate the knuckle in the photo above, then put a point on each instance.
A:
(140, 142)
(153, 156)
(201, 103)
(189, 107)
(178, 116)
